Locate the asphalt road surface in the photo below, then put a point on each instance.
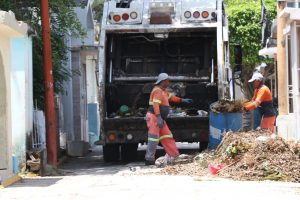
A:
(90, 178)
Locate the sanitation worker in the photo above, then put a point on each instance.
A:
(158, 130)
(262, 98)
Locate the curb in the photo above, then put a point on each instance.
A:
(10, 181)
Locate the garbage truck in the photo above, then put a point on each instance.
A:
(140, 39)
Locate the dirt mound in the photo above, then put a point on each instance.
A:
(250, 155)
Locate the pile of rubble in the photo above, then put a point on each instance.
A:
(33, 161)
(125, 111)
(253, 155)
(227, 106)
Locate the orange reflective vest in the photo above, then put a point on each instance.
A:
(262, 98)
(160, 98)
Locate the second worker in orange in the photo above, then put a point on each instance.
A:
(262, 98)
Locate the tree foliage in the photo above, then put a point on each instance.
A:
(244, 18)
(98, 9)
(63, 21)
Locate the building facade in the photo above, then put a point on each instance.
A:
(16, 106)
(80, 118)
(288, 121)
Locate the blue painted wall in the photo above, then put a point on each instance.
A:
(93, 120)
(20, 80)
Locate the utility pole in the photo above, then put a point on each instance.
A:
(281, 62)
(51, 134)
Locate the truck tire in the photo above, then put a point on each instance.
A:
(203, 146)
(129, 152)
(111, 152)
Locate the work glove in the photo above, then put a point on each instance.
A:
(160, 121)
(188, 101)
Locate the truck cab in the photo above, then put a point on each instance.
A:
(140, 39)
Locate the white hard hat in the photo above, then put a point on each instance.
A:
(263, 64)
(256, 76)
(162, 77)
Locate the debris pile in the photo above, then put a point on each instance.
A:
(33, 161)
(125, 111)
(227, 106)
(253, 155)
(178, 89)
(183, 112)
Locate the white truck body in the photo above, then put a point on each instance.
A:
(165, 25)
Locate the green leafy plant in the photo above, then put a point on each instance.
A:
(245, 29)
(244, 17)
(98, 9)
(63, 21)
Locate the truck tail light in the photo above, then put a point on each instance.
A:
(112, 137)
(125, 16)
(133, 15)
(196, 14)
(117, 18)
(205, 14)
(187, 14)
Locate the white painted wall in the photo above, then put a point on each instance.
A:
(5, 32)
(67, 99)
(21, 94)
(92, 98)
(29, 90)
(288, 126)
(3, 117)
(17, 66)
(86, 19)
(92, 89)
(81, 89)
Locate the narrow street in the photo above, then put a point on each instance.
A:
(185, 99)
(89, 178)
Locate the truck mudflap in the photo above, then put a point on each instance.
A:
(134, 129)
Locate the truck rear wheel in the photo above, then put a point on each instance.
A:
(203, 146)
(129, 152)
(111, 152)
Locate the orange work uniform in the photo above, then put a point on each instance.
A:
(262, 98)
(159, 105)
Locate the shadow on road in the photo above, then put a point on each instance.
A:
(93, 162)
(37, 182)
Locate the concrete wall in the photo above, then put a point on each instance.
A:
(15, 81)
(92, 97)
(76, 96)
(5, 158)
(67, 100)
(3, 118)
(79, 101)
(287, 127)
(21, 95)
(92, 88)
(86, 19)
(288, 122)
